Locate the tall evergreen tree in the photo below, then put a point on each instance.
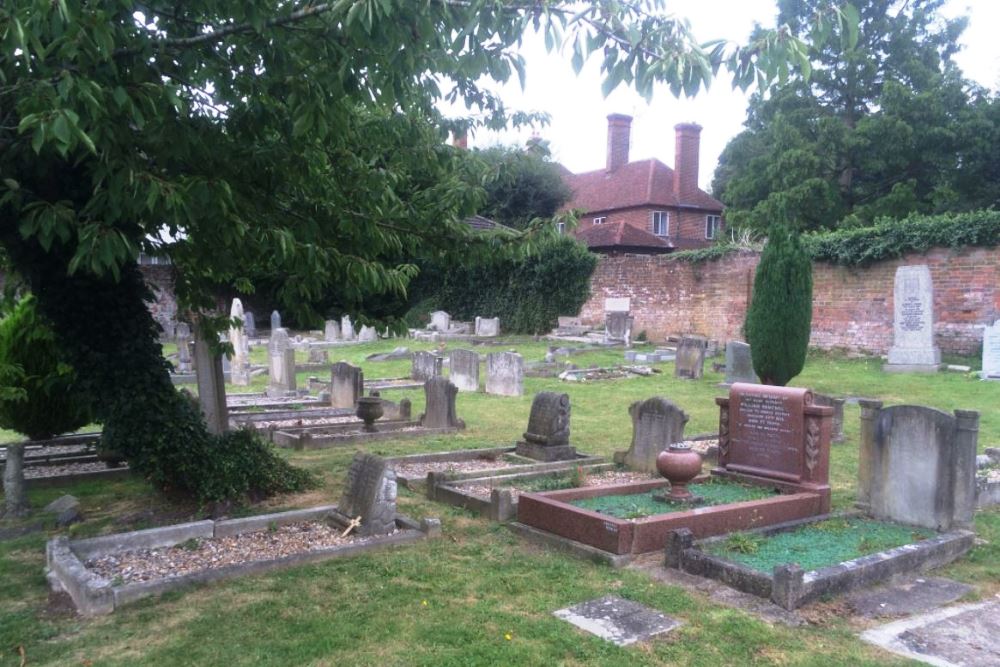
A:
(780, 313)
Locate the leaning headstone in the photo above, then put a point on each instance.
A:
(656, 424)
(396, 354)
(439, 395)
(991, 352)
(281, 364)
(917, 465)
(185, 364)
(739, 363)
(367, 334)
(425, 365)
(211, 387)
(505, 374)
(547, 437)
(440, 321)
(370, 495)
(346, 328)
(249, 324)
(487, 326)
(239, 371)
(837, 424)
(331, 331)
(913, 348)
(690, 361)
(66, 510)
(464, 369)
(275, 320)
(347, 384)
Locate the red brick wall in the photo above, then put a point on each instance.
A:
(852, 307)
(687, 228)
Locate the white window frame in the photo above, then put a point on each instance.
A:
(664, 220)
(713, 225)
(560, 228)
(600, 220)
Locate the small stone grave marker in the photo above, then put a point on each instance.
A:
(439, 396)
(656, 423)
(464, 369)
(966, 634)
(425, 365)
(367, 334)
(690, 361)
(275, 320)
(370, 493)
(249, 324)
(281, 368)
(487, 326)
(739, 363)
(331, 331)
(346, 328)
(347, 385)
(505, 374)
(908, 597)
(619, 621)
(440, 321)
(618, 327)
(547, 437)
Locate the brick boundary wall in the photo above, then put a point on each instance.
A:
(852, 306)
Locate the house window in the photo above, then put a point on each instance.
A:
(601, 220)
(661, 223)
(713, 225)
(560, 227)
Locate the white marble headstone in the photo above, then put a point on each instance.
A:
(913, 341)
(991, 352)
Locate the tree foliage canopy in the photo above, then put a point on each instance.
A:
(885, 128)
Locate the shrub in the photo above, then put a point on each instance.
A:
(780, 314)
(50, 401)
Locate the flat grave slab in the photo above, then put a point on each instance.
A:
(909, 597)
(964, 635)
(619, 621)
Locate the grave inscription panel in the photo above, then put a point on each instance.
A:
(767, 429)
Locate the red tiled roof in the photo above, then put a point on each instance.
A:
(643, 183)
(622, 235)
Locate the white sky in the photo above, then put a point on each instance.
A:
(578, 131)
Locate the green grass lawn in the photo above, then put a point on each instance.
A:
(476, 596)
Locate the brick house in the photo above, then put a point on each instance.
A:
(666, 204)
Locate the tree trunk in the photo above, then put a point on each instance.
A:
(15, 502)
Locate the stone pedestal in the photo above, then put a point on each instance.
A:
(545, 452)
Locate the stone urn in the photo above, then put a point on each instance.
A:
(369, 409)
(679, 465)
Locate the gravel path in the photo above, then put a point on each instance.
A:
(211, 553)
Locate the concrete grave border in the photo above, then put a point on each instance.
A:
(790, 587)
(94, 595)
(337, 435)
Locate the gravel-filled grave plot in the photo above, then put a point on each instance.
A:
(306, 421)
(42, 472)
(208, 553)
(516, 488)
(473, 465)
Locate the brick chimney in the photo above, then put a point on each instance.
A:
(687, 136)
(619, 129)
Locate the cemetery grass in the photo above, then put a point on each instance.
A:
(477, 595)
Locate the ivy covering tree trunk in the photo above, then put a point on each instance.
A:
(779, 319)
(109, 336)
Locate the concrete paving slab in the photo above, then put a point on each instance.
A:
(961, 636)
(915, 596)
(619, 621)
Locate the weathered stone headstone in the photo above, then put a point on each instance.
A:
(618, 327)
(917, 465)
(318, 355)
(185, 364)
(505, 374)
(281, 364)
(440, 321)
(331, 331)
(439, 395)
(739, 363)
(367, 334)
(275, 320)
(347, 384)
(837, 423)
(239, 370)
(249, 324)
(547, 437)
(487, 326)
(346, 328)
(775, 433)
(690, 361)
(370, 493)
(913, 348)
(464, 369)
(656, 423)
(991, 352)
(211, 387)
(425, 365)
(619, 621)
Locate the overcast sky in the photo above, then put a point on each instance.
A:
(578, 132)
